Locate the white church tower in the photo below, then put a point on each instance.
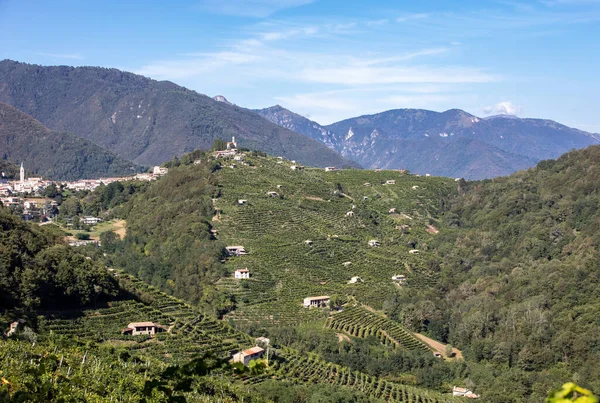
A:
(22, 173)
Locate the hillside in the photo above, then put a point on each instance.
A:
(142, 120)
(8, 170)
(475, 282)
(54, 155)
(452, 143)
(72, 311)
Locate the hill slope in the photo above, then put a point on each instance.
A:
(143, 120)
(452, 143)
(52, 154)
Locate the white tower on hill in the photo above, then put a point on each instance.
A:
(22, 173)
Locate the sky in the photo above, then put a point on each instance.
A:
(329, 60)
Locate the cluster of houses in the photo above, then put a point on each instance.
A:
(37, 185)
(33, 208)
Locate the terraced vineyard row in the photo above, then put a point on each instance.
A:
(360, 322)
(315, 370)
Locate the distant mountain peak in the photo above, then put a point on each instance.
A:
(221, 98)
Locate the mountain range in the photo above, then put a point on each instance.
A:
(51, 154)
(143, 120)
(452, 143)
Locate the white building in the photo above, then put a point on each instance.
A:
(316, 301)
(160, 170)
(89, 220)
(138, 328)
(330, 169)
(355, 280)
(374, 243)
(464, 392)
(242, 273)
(236, 250)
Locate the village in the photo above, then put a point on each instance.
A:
(26, 195)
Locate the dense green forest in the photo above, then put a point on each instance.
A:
(519, 278)
(168, 241)
(9, 170)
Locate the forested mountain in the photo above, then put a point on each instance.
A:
(521, 286)
(144, 120)
(453, 143)
(54, 155)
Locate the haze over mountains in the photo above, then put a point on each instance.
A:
(143, 120)
(452, 143)
(54, 155)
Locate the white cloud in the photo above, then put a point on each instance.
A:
(279, 35)
(250, 8)
(412, 17)
(503, 108)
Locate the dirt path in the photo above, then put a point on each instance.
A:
(438, 347)
(342, 337)
(119, 228)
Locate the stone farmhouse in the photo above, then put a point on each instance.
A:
(236, 250)
(248, 355)
(140, 328)
(316, 301)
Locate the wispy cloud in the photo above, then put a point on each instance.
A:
(503, 108)
(68, 56)
(412, 17)
(250, 8)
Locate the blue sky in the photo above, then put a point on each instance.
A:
(329, 60)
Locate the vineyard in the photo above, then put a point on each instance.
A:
(313, 237)
(360, 322)
(192, 334)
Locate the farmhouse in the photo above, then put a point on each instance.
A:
(137, 328)
(374, 243)
(413, 251)
(308, 242)
(236, 250)
(330, 169)
(297, 168)
(89, 220)
(392, 210)
(248, 355)
(241, 202)
(272, 194)
(316, 301)
(350, 214)
(390, 182)
(242, 273)
(366, 184)
(400, 278)
(346, 264)
(415, 187)
(355, 280)
(464, 392)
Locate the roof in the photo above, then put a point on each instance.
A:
(460, 390)
(242, 271)
(320, 297)
(252, 351)
(141, 324)
(234, 247)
